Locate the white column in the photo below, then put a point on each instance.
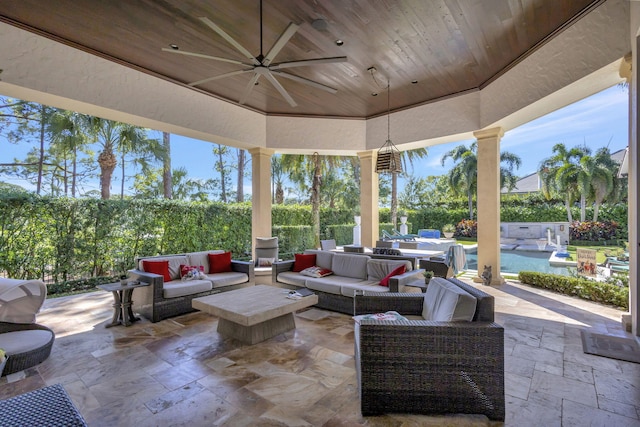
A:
(489, 201)
(634, 167)
(260, 194)
(369, 197)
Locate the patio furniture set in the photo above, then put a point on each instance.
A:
(443, 354)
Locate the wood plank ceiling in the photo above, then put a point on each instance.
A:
(428, 49)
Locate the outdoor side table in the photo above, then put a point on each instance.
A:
(122, 312)
(418, 284)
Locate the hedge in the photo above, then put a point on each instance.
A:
(62, 239)
(591, 290)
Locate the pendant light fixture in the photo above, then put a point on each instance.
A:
(388, 155)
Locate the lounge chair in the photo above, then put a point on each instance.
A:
(429, 365)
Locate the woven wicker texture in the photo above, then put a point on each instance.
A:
(46, 407)
(427, 367)
(22, 361)
(150, 302)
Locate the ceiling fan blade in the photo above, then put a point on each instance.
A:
(230, 40)
(249, 88)
(279, 44)
(201, 55)
(306, 62)
(221, 76)
(305, 81)
(280, 88)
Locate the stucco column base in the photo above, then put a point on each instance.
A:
(626, 322)
(495, 281)
(261, 194)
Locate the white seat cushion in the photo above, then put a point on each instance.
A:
(329, 284)
(22, 341)
(179, 288)
(447, 302)
(220, 280)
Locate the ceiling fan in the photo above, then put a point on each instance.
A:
(261, 65)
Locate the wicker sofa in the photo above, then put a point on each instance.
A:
(164, 299)
(351, 272)
(426, 366)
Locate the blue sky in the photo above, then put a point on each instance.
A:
(595, 121)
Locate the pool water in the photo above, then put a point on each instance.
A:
(516, 261)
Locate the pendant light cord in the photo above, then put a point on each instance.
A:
(388, 111)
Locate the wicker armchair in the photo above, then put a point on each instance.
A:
(31, 356)
(427, 367)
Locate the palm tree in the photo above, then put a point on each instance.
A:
(603, 182)
(67, 133)
(277, 180)
(306, 172)
(166, 166)
(118, 136)
(241, 166)
(463, 177)
(407, 157)
(561, 176)
(222, 168)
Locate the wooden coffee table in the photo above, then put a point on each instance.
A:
(253, 314)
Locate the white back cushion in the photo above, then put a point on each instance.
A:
(202, 258)
(354, 266)
(447, 302)
(377, 269)
(323, 258)
(174, 264)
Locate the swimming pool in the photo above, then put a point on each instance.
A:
(516, 261)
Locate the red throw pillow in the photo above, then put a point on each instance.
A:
(303, 261)
(219, 263)
(157, 267)
(396, 272)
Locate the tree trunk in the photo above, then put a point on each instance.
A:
(470, 202)
(315, 198)
(107, 161)
(74, 173)
(241, 161)
(65, 176)
(123, 177)
(583, 208)
(567, 205)
(394, 199)
(167, 184)
(223, 187)
(279, 194)
(41, 158)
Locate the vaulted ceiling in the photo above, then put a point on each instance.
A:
(426, 49)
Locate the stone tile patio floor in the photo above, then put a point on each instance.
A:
(181, 372)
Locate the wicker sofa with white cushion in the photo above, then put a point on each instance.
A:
(349, 273)
(444, 356)
(168, 298)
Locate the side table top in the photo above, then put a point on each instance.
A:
(118, 286)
